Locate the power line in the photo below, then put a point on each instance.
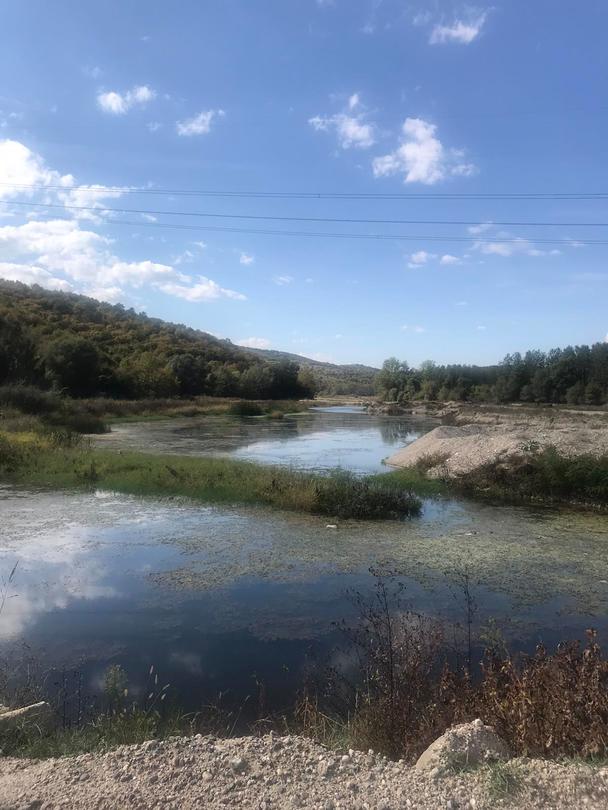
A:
(324, 195)
(334, 220)
(339, 235)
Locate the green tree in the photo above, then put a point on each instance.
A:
(74, 364)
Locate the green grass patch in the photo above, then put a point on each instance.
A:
(545, 476)
(55, 462)
(504, 781)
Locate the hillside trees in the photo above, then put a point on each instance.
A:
(84, 347)
(576, 375)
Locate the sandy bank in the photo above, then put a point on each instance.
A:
(480, 436)
(288, 772)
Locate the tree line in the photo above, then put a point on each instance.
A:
(576, 375)
(84, 348)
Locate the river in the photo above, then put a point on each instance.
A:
(222, 599)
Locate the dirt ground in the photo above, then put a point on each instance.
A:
(284, 772)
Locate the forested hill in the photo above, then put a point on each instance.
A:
(86, 347)
(350, 378)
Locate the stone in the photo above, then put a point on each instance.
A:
(239, 765)
(463, 745)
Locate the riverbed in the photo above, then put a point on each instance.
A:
(221, 599)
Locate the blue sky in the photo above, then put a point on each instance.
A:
(103, 103)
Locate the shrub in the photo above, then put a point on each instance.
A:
(344, 495)
(245, 408)
(29, 399)
(406, 690)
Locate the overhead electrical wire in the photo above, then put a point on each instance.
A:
(325, 195)
(103, 210)
(342, 235)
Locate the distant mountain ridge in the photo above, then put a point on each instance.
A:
(337, 378)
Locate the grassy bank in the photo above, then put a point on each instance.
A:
(62, 461)
(40, 408)
(543, 477)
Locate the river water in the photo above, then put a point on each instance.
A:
(222, 599)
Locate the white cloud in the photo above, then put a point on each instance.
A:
(20, 167)
(448, 259)
(351, 129)
(459, 31)
(64, 254)
(246, 258)
(511, 247)
(283, 280)
(30, 274)
(205, 289)
(419, 258)
(254, 343)
(475, 230)
(199, 124)
(154, 126)
(481, 328)
(417, 329)
(120, 103)
(421, 157)
(606, 338)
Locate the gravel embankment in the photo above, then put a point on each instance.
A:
(279, 772)
(483, 436)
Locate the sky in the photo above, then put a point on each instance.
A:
(283, 118)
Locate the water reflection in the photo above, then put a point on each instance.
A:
(320, 439)
(213, 596)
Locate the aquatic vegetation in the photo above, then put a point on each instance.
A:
(211, 480)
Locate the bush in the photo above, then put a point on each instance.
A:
(547, 475)
(407, 689)
(245, 408)
(78, 421)
(344, 495)
(29, 399)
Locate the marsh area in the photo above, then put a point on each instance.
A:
(222, 599)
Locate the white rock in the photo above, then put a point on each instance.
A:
(465, 744)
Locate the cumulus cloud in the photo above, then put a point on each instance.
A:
(351, 127)
(254, 343)
(447, 259)
(421, 157)
(246, 258)
(199, 124)
(419, 258)
(462, 32)
(205, 289)
(24, 173)
(283, 280)
(67, 254)
(116, 103)
(30, 274)
(416, 329)
(20, 168)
